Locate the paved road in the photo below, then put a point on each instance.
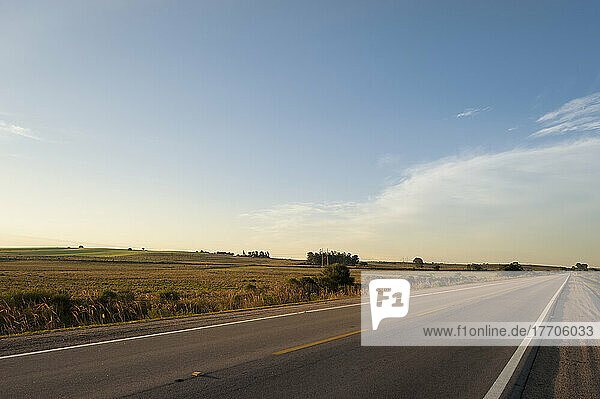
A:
(299, 351)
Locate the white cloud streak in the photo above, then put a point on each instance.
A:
(387, 160)
(18, 130)
(578, 115)
(527, 202)
(469, 112)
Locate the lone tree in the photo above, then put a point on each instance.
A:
(418, 261)
(580, 266)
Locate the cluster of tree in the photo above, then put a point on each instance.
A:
(331, 257)
(224, 253)
(418, 262)
(257, 254)
(580, 266)
(514, 267)
(332, 278)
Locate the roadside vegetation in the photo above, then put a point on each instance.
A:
(42, 293)
(43, 310)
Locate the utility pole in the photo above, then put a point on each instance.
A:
(321, 251)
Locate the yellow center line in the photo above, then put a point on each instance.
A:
(295, 348)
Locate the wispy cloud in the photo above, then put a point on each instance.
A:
(387, 160)
(479, 207)
(510, 129)
(18, 130)
(578, 115)
(292, 215)
(472, 112)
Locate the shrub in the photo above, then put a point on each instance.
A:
(306, 286)
(294, 281)
(514, 266)
(335, 276)
(169, 295)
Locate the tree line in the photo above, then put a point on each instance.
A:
(331, 257)
(256, 254)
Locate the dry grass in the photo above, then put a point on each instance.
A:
(53, 291)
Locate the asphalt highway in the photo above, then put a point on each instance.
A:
(311, 350)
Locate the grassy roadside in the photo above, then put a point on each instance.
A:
(180, 316)
(27, 311)
(54, 292)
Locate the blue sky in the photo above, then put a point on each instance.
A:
(291, 126)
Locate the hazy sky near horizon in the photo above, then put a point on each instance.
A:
(463, 131)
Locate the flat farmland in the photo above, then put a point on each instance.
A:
(49, 288)
(226, 273)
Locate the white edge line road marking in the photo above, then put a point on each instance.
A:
(500, 384)
(468, 288)
(111, 341)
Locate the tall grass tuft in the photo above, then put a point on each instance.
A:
(44, 310)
